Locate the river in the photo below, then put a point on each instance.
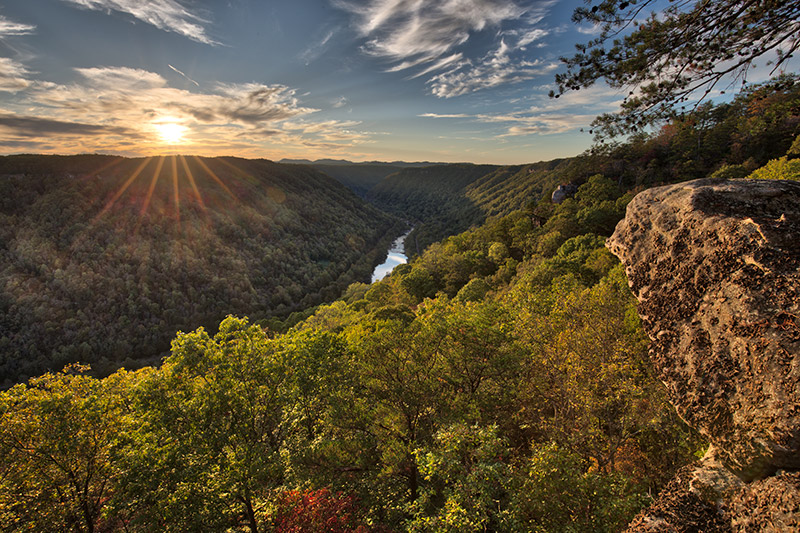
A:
(395, 257)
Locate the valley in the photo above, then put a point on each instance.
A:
(245, 375)
(104, 259)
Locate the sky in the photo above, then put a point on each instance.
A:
(411, 80)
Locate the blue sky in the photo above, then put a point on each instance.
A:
(444, 80)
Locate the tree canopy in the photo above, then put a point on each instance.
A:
(681, 54)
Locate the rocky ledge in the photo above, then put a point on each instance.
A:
(716, 267)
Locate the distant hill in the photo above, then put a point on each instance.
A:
(103, 259)
(345, 162)
(358, 177)
(511, 188)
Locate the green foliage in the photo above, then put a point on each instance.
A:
(560, 494)
(105, 258)
(467, 478)
(730, 172)
(212, 426)
(794, 150)
(778, 169)
(474, 291)
(670, 56)
(596, 190)
(59, 437)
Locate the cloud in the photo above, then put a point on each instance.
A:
(404, 29)
(495, 69)
(548, 116)
(183, 75)
(118, 109)
(16, 126)
(13, 75)
(317, 49)
(530, 36)
(440, 115)
(167, 15)
(121, 79)
(126, 94)
(433, 37)
(11, 28)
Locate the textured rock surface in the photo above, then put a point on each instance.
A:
(693, 501)
(771, 504)
(716, 268)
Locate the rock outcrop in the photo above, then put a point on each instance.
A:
(716, 268)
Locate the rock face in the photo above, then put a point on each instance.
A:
(716, 268)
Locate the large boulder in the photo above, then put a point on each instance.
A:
(716, 267)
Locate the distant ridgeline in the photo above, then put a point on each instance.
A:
(448, 199)
(445, 199)
(359, 177)
(103, 259)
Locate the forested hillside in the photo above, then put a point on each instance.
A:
(360, 178)
(433, 197)
(733, 138)
(498, 382)
(103, 259)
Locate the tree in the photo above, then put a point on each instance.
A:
(58, 434)
(680, 54)
(212, 426)
(318, 510)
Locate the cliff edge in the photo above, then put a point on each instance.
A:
(715, 266)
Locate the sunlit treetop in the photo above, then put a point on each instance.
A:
(679, 55)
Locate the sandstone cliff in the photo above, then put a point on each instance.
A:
(716, 268)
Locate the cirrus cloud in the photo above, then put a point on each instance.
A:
(432, 36)
(9, 27)
(546, 116)
(167, 15)
(13, 75)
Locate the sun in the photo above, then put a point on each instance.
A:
(170, 132)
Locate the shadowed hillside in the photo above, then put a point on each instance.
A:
(103, 259)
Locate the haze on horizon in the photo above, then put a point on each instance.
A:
(456, 80)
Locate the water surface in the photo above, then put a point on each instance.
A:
(395, 257)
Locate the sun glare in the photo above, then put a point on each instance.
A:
(170, 132)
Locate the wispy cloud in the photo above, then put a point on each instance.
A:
(405, 29)
(167, 15)
(547, 117)
(119, 109)
(495, 69)
(9, 27)
(446, 115)
(316, 49)
(13, 75)
(181, 73)
(432, 37)
(31, 127)
(524, 123)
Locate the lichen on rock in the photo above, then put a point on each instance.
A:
(715, 265)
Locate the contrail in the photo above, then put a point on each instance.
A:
(182, 74)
